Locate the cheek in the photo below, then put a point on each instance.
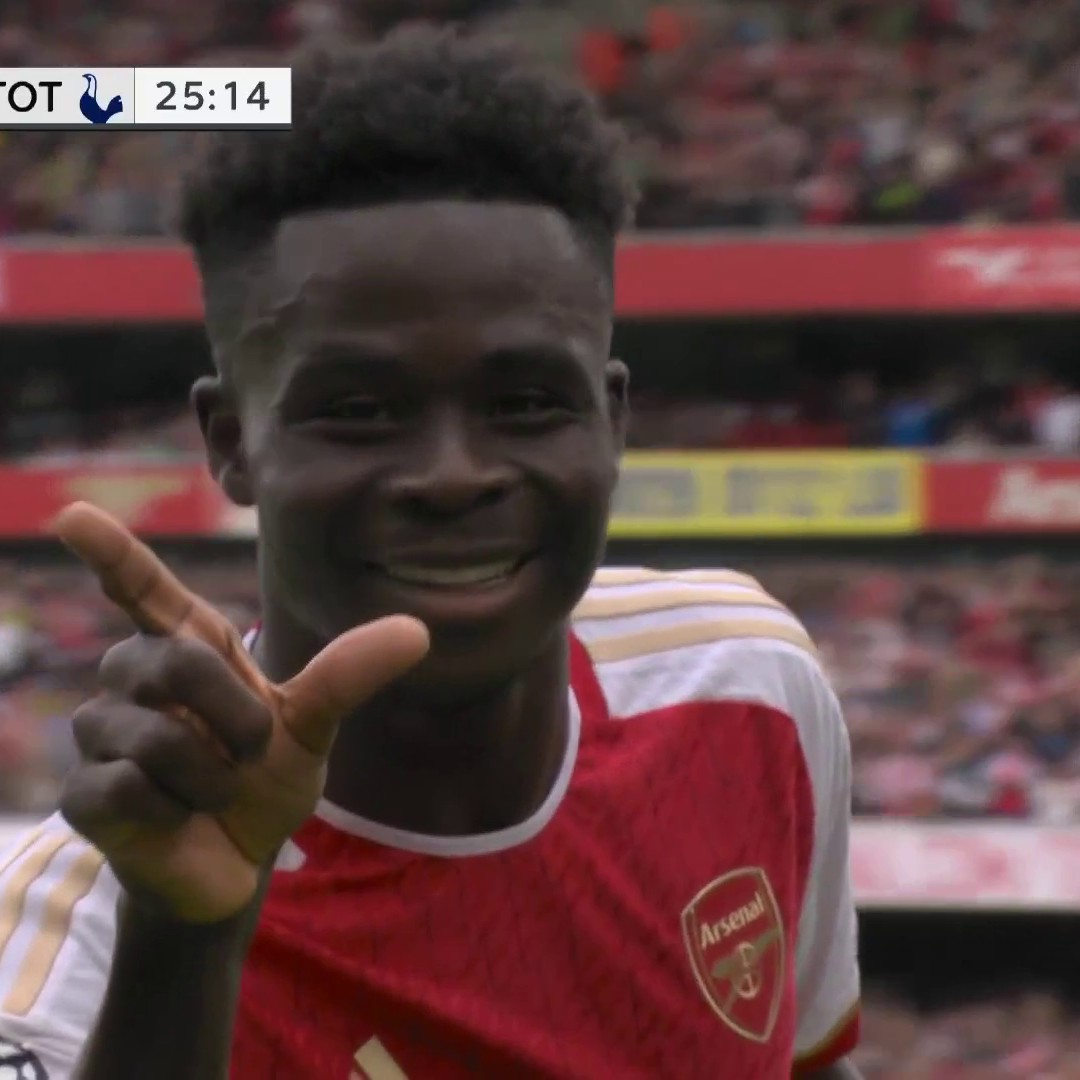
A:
(294, 496)
(580, 481)
(304, 475)
(583, 467)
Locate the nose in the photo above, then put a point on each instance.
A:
(442, 475)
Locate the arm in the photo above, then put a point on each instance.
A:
(164, 1010)
(177, 987)
(827, 968)
(842, 1070)
(57, 926)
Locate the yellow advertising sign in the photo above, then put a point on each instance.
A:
(803, 493)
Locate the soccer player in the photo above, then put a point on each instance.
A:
(463, 805)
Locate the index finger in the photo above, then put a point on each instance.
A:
(137, 581)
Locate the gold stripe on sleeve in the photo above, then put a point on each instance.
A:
(617, 575)
(669, 638)
(22, 847)
(53, 932)
(13, 897)
(599, 606)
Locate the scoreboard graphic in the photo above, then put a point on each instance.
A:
(144, 99)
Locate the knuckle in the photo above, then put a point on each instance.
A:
(183, 660)
(138, 667)
(125, 789)
(153, 744)
(154, 668)
(171, 754)
(87, 725)
(103, 802)
(82, 803)
(119, 661)
(71, 804)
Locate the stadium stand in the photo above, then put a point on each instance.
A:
(743, 115)
(958, 660)
(960, 681)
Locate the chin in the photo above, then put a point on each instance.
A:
(467, 663)
(443, 682)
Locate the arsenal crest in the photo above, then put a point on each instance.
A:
(735, 939)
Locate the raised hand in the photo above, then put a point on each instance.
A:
(195, 768)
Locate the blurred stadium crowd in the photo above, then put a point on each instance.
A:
(746, 114)
(960, 677)
(960, 413)
(1024, 1035)
(960, 682)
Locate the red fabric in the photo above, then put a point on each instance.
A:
(564, 956)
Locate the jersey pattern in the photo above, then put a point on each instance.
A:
(680, 905)
(652, 922)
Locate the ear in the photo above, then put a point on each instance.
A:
(222, 431)
(617, 378)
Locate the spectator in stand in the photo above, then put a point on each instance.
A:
(958, 413)
(960, 683)
(1055, 418)
(751, 115)
(910, 419)
(1030, 1035)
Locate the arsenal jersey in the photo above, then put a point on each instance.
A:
(679, 906)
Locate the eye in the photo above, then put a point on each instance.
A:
(357, 409)
(526, 405)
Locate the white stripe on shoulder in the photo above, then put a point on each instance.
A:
(660, 638)
(607, 576)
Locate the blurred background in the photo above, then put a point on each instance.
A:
(850, 312)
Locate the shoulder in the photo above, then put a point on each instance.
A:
(660, 639)
(55, 893)
(51, 865)
(57, 927)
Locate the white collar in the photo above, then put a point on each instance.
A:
(451, 847)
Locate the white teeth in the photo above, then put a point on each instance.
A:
(465, 575)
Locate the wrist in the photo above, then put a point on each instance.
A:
(142, 918)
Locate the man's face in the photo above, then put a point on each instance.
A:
(428, 423)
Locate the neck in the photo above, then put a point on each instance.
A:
(480, 765)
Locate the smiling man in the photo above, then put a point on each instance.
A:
(464, 805)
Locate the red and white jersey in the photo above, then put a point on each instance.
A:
(679, 905)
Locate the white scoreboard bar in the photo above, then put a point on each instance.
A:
(145, 99)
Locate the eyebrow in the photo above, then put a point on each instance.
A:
(337, 360)
(355, 359)
(348, 354)
(345, 352)
(526, 359)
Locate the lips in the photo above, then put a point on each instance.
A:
(478, 574)
(478, 570)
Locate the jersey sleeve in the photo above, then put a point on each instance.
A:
(735, 642)
(57, 929)
(827, 969)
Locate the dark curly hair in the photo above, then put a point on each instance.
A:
(423, 113)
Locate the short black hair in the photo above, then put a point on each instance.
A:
(425, 112)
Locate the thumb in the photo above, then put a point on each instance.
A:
(345, 674)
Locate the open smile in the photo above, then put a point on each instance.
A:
(483, 573)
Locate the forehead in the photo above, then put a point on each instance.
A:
(458, 269)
